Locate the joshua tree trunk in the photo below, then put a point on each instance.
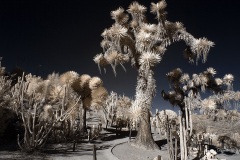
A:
(144, 137)
(145, 92)
(84, 120)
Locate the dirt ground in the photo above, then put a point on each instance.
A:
(108, 145)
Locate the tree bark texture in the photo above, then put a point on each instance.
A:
(144, 138)
(145, 92)
(84, 120)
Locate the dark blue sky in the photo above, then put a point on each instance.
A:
(63, 35)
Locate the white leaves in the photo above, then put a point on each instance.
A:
(211, 71)
(149, 59)
(105, 44)
(119, 16)
(200, 81)
(33, 83)
(201, 47)
(149, 28)
(218, 81)
(184, 78)
(100, 60)
(228, 78)
(209, 104)
(137, 10)
(116, 31)
(111, 56)
(176, 73)
(146, 37)
(95, 82)
(114, 57)
(143, 36)
(68, 77)
(158, 7)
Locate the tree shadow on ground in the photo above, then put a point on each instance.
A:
(161, 143)
(111, 134)
(228, 153)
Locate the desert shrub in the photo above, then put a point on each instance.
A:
(228, 143)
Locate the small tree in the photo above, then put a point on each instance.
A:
(144, 44)
(92, 93)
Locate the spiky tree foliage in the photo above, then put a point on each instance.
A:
(185, 94)
(92, 92)
(182, 86)
(132, 38)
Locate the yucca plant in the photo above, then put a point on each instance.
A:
(133, 39)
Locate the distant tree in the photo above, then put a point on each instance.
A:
(185, 93)
(182, 86)
(144, 44)
(116, 109)
(93, 93)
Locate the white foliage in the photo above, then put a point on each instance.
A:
(149, 58)
(119, 16)
(211, 71)
(218, 81)
(209, 104)
(201, 47)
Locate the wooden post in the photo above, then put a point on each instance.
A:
(116, 130)
(175, 158)
(89, 135)
(130, 134)
(106, 124)
(74, 145)
(94, 152)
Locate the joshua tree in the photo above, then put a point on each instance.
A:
(185, 94)
(144, 44)
(183, 86)
(92, 93)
